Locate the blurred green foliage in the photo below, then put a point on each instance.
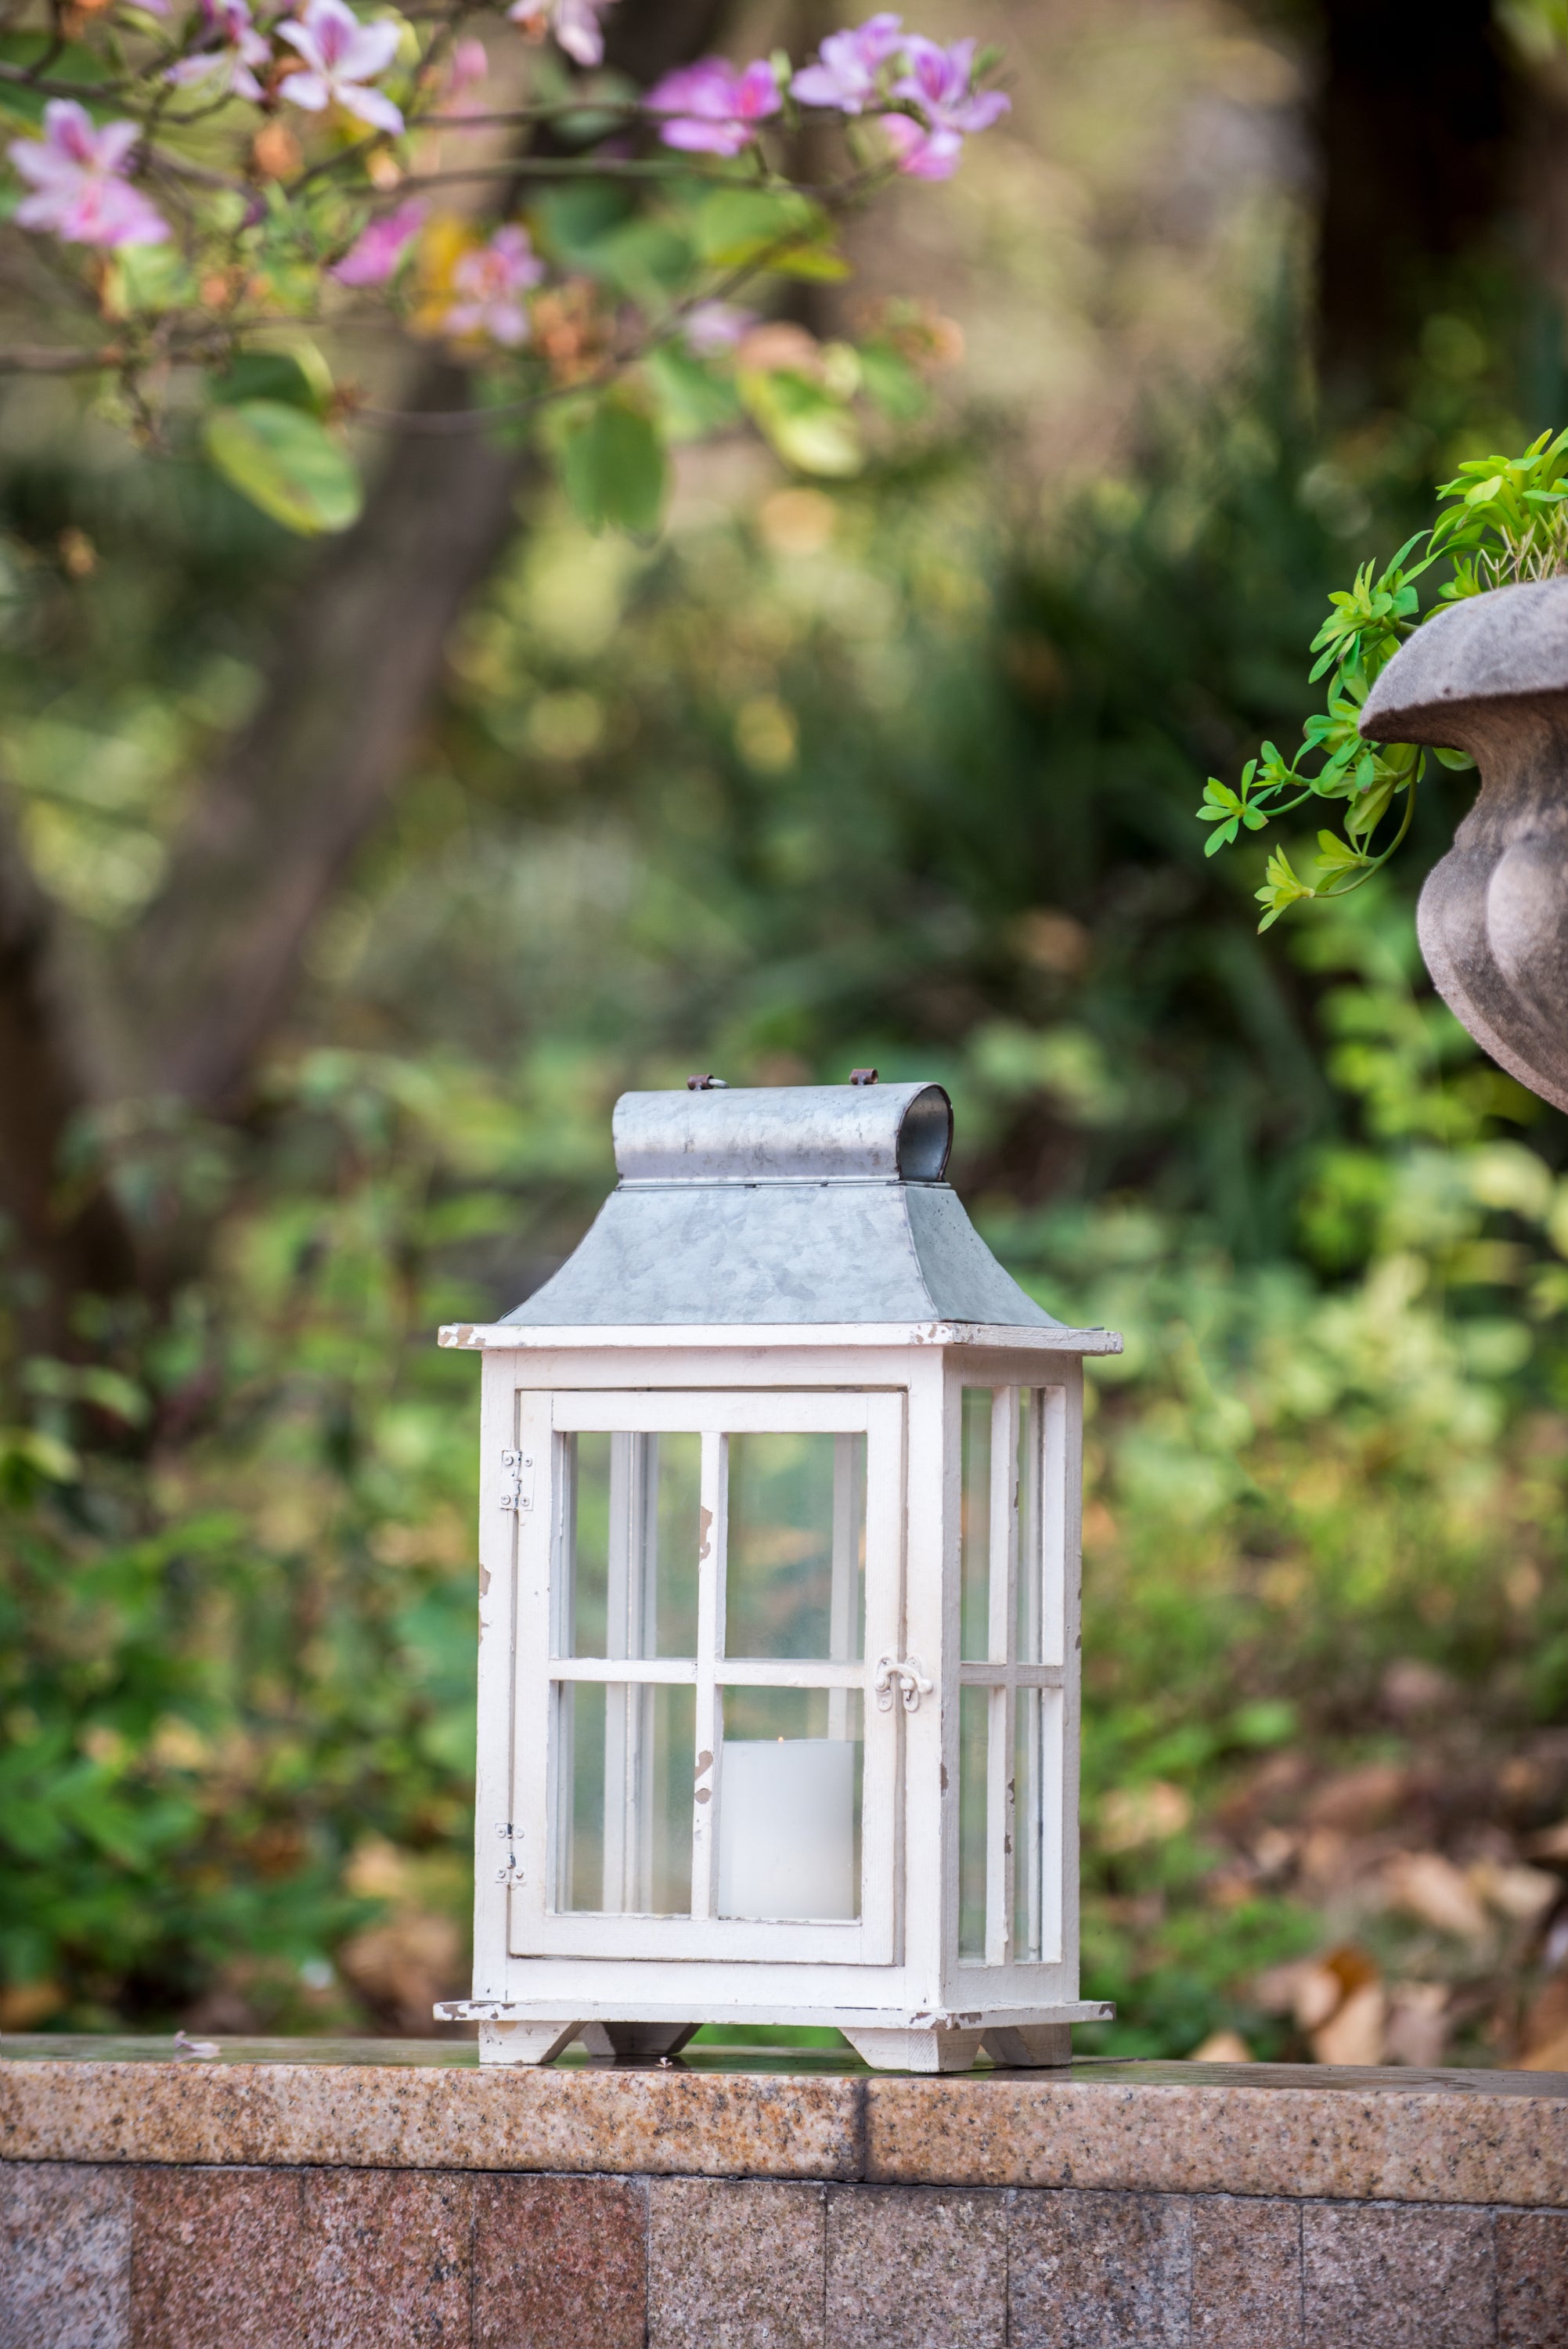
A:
(888, 774)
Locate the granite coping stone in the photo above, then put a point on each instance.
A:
(1301, 2130)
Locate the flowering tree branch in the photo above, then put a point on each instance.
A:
(194, 991)
(238, 179)
(202, 269)
(24, 360)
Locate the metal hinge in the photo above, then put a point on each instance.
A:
(517, 1493)
(512, 1872)
(905, 1674)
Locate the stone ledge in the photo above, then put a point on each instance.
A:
(1301, 2131)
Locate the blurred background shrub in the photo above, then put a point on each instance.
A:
(312, 1017)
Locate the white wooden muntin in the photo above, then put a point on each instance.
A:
(897, 1976)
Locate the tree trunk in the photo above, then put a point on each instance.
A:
(1416, 116)
(307, 778)
(60, 1250)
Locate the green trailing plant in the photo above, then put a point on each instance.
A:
(1500, 521)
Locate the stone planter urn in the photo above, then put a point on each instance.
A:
(1490, 676)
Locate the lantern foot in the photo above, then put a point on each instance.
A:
(916, 2051)
(636, 2039)
(1033, 2044)
(525, 2043)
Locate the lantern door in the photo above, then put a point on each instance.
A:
(1017, 1604)
(707, 1586)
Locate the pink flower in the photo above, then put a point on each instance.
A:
(714, 326)
(343, 54)
(374, 255)
(224, 61)
(845, 74)
(79, 174)
(470, 63)
(713, 108)
(491, 281)
(574, 23)
(941, 83)
(924, 154)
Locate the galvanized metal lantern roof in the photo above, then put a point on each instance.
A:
(781, 1205)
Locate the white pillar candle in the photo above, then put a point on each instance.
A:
(786, 1828)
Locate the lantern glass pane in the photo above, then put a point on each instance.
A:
(1011, 1621)
(973, 1732)
(1027, 1635)
(974, 1521)
(795, 1581)
(1051, 1752)
(789, 1794)
(1027, 1850)
(629, 1588)
(624, 1759)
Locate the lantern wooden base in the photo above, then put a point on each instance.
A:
(541, 2042)
(1030, 2046)
(1026, 2046)
(923, 2046)
(916, 2051)
(525, 2043)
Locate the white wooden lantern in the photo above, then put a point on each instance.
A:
(778, 1661)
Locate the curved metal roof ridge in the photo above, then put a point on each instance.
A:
(782, 1206)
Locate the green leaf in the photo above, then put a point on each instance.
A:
(892, 384)
(809, 429)
(821, 261)
(287, 376)
(643, 258)
(147, 278)
(285, 461)
(74, 63)
(1335, 855)
(1366, 811)
(613, 467)
(1281, 887)
(742, 228)
(114, 1393)
(693, 400)
(574, 221)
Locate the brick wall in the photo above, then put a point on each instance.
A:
(170, 2256)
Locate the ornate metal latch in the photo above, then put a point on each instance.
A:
(905, 1673)
(517, 1493)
